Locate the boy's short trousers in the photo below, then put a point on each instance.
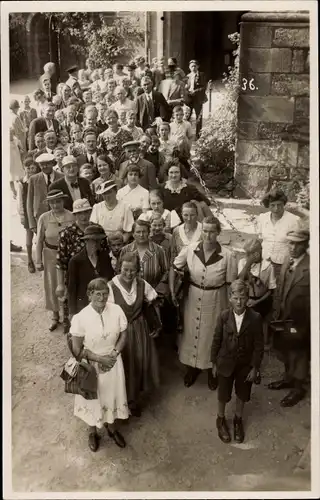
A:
(242, 388)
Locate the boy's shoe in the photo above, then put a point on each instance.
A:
(238, 431)
(93, 441)
(280, 384)
(191, 376)
(223, 431)
(293, 398)
(212, 381)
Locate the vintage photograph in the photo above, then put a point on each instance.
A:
(159, 198)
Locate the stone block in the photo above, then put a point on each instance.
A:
(272, 131)
(254, 180)
(291, 37)
(267, 153)
(261, 82)
(266, 60)
(302, 108)
(247, 130)
(266, 109)
(291, 85)
(304, 157)
(298, 61)
(256, 36)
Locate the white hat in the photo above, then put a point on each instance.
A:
(81, 205)
(45, 157)
(68, 160)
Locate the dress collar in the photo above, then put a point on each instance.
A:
(183, 184)
(215, 257)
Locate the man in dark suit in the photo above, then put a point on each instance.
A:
(236, 355)
(292, 341)
(45, 81)
(148, 178)
(150, 105)
(196, 92)
(48, 122)
(39, 185)
(90, 142)
(71, 184)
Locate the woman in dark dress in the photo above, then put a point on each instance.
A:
(176, 191)
(139, 355)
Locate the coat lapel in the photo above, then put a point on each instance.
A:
(215, 257)
(295, 276)
(245, 322)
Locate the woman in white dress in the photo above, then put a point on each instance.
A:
(99, 335)
(188, 232)
(132, 194)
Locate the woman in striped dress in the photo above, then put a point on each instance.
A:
(139, 355)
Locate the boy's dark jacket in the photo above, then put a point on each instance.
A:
(230, 348)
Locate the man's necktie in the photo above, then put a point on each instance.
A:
(91, 161)
(291, 264)
(49, 181)
(74, 185)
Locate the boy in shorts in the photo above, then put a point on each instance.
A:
(237, 352)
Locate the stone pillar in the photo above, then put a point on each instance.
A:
(273, 112)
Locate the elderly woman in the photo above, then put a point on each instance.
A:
(188, 232)
(211, 268)
(91, 262)
(111, 214)
(140, 360)
(273, 227)
(152, 258)
(114, 134)
(49, 225)
(122, 103)
(176, 191)
(132, 194)
(99, 334)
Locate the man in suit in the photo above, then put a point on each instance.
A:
(48, 122)
(38, 188)
(45, 82)
(196, 92)
(71, 184)
(90, 142)
(150, 105)
(148, 178)
(172, 88)
(236, 355)
(293, 344)
(51, 141)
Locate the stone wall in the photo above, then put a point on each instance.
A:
(273, 112)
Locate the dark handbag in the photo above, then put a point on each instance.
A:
(80, 377)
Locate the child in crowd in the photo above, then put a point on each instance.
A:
(59, 116)
(167, 146)
(159, 235)
(116, 244)
(59, 153)
(105, 168)
(131, 127)
(64, 140)
(30, 168)
(77, 146)
(109, 99)
(171, 219)
(186, 113)
(122, 118)
(101, 123)
(27, 114)
(153, 154)
(97, 97)
(181, 131)
(87, 98)
(16, 168)
(86, 171)
(237, 353)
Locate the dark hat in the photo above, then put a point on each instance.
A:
(72, 69)
(298, 235)
(105, 187)
(93, 232)
(172, 61)
(132, 65)
(55, 194)
(131, 144)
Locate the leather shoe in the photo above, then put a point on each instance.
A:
(31, 267)
(223, 431)
(238, 432)
(212, 381)
(93, 441)
(280, 384)
(117, 438)
(54, 325)
(191, 376)
(292, 398)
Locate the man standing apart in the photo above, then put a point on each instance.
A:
(150, 105)
(196, 90)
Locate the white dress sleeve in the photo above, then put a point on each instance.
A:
(181, 259)
(94, 215)
(123, 322)
(110, 296)
(128, 220)
(149, 293)
(77, 329)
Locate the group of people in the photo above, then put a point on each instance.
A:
(129, 247)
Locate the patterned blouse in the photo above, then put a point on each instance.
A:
(108, 138)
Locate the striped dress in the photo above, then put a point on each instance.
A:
(139, 355)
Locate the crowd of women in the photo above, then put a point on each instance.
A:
(129, 247)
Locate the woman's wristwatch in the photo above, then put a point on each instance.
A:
(116, 351)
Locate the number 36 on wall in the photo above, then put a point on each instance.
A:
(248, 85)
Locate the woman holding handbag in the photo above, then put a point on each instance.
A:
(99, 334)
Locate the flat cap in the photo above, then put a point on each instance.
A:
(131, 144)
(45, 157)
(298, 235)
(68, 160)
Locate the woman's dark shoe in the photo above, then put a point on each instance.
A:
(223, 431)
(238, 431)
(191, 376)
(31, 267)
(135, 409)
(54, 325)
(117, 438)
(93, 441)
(280, 384)
(292, 398)
(212, 381)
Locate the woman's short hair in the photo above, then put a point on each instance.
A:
(158, 193)
(106, 159)
(97, 284)
(132, 167)
(177, 108)
(37, 94)
(211, 219)
(173, 163)
(86, 166)
(111, 112)
(275, 194)
(129, 257)
(239, 286)
(166, 124)
(141, 223)
(189, 204)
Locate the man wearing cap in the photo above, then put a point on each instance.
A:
(150, 105)
(38, 188)
(292, 343)
(172, 88)
(90, 263)
(71, 184)
(196, 92)
(47, 122)
(148, 178)
(73, 77)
